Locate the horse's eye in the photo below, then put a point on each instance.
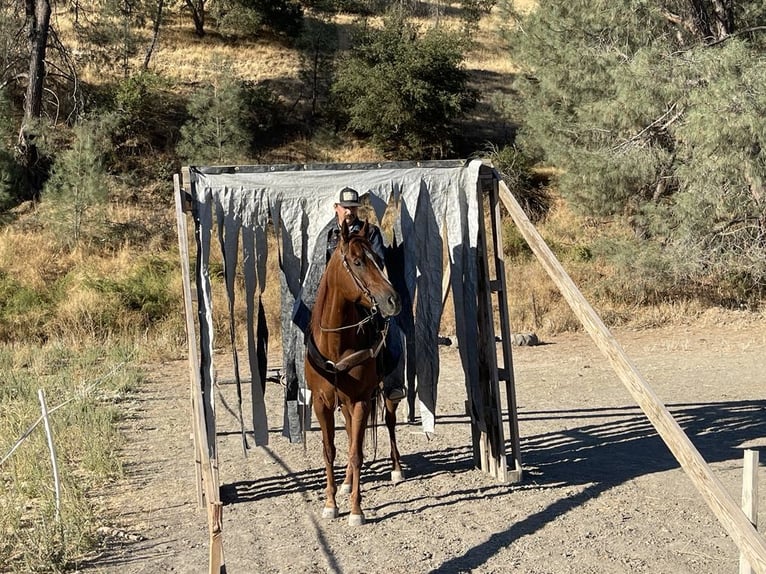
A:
(357, 262)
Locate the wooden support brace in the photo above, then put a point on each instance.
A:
(742, 532)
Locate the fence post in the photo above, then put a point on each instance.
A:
(749, 498)
(49, 434)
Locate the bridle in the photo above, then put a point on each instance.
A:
(330, 368)
(362, 286)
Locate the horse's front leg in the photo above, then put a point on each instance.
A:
(326, 417)
(359, 413)
(396, 471)
(345, 487)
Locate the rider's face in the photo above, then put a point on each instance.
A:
(345, 213)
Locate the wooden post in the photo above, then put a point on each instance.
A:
(749, 498)
(191, 338)
(752, 544)
(500, 289)
(209, 478)
(491, 440)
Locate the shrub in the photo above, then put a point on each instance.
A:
(22, 311)
(144, 291)
(225, 118)
(11, 174)
(74, 196)
(517, 172)
(404, 89)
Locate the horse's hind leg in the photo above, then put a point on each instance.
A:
(396, 470)
(326, 418)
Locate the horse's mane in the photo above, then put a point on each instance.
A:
(321, 299)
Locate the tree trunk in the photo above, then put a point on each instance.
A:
(713, 19)
(155, 33)
(38, 14)
(197, 8)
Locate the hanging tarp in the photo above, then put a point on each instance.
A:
(435, 207)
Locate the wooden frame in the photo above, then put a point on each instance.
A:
(484, 402)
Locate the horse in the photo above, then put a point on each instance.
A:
(346, 334)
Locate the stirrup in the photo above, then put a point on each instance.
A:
(395, 394)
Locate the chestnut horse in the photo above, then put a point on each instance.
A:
(347, 331)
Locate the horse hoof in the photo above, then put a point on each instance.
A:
(328, 512)
(345, 488)
(397, 476)
(355, 519)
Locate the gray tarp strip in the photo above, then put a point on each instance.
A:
(229, 222)
(254, 242)
(203, 229)
(435, 201)
(462, 240)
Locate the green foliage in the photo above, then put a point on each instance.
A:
(473, 10)
(76, 193)
(517, 171)
(135, 96)
(318, 44)
(282, 16)
(23, 310)
(679, 159)
(225, 118)
(11, 178)
(248, 17)
(403, 89)
(236, 17)
(334, 6)
(144, 117)
(110, 32)
(145, 290)
(515, 247)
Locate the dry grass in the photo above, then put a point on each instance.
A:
(187, 59)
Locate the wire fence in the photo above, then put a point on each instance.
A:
(47, 412)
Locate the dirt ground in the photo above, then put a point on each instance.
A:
(601, 492)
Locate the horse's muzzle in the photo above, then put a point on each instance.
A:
(391, 305)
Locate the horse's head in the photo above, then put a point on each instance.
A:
(361, 278)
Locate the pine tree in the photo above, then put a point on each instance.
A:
(74, 197)
(217, 131)
(653, 114)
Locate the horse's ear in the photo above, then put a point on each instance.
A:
(344, 232)
(364, 229)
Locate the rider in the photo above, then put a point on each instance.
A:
(346, 209)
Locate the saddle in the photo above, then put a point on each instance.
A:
(331, 368)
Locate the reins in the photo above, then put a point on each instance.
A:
(330, 367)
(358, 324)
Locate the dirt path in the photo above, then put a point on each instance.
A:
(601, 494)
